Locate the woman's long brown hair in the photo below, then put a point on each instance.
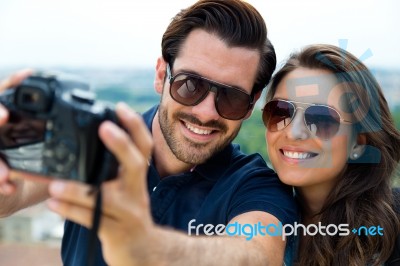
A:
(363, 192)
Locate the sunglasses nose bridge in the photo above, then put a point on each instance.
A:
(206, 109)
(298, 115)
(211, 88)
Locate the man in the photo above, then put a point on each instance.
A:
(186, 176)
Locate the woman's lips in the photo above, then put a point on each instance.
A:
(298, 155)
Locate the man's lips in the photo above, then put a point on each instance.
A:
(198, 130)
(199, 134)
(194, 124)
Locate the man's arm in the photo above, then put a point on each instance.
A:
(127, 232)
(182, 249)
(16, 191)
(19, 193)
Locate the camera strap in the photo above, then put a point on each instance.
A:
(108, 163)
(93, 237)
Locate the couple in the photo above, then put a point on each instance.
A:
(329, 134)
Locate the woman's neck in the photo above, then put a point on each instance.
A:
(312, 200)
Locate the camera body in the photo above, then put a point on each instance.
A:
(62, 113)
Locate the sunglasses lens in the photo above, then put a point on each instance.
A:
(232, 104)
(188, 90)
(322, 121)
(277, 115)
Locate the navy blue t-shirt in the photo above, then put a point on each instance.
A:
(228, 184)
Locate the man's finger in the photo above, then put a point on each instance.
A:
(10, 82)
(132, 161)
(73, 192)
(15, 79)
(78, 214)
(137, 129)
(3, 115)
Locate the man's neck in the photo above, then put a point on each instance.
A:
(165, 161)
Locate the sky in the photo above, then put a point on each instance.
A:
(118, 33)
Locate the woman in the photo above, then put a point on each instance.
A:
(331, 136)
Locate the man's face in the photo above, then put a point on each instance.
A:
(195, 133)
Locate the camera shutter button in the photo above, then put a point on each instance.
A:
(83, 96)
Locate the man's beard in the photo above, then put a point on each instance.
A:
(186, 150)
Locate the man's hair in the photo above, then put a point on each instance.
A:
(237, 23)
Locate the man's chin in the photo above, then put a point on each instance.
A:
(192, 158)
(198, 153)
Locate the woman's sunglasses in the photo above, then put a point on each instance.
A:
(321, 120)
(190, 89)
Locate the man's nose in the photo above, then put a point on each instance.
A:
(206, 110)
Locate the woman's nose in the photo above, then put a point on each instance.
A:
(297, 129)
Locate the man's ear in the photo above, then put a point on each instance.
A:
(256, 97)
(159, 78)
(359, 148)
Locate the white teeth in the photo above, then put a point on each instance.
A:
(297, 155)
(198, 130)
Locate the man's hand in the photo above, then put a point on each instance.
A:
(126, 223)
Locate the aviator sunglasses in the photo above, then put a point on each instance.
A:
(190, 89)
(321, 120)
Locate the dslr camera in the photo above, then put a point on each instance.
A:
(53, 129)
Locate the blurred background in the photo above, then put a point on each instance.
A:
(114, 45)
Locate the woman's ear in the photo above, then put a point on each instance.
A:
(359, 148)
(159, 78)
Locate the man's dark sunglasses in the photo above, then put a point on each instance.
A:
(190, 89)
(321, 120)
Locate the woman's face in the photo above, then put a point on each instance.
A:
(299, 157)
